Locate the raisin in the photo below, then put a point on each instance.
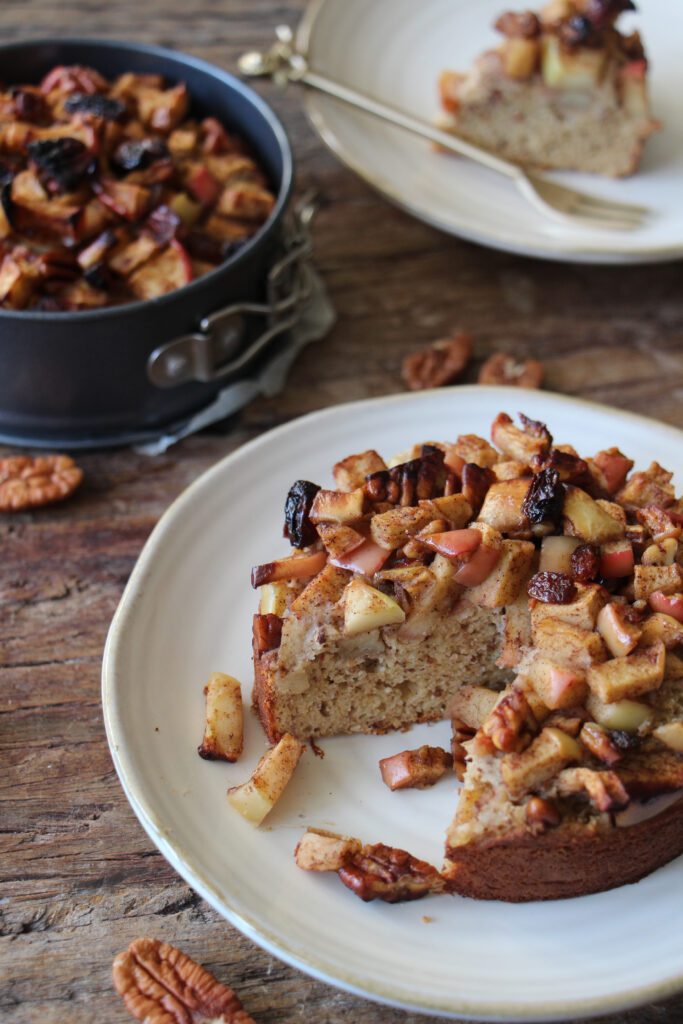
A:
(135, 156)
(545, 498)
(29, 105)
(98, 276)
(96, 104)
(476, 481)
(624, 740)
(552, 588)
(578, 31)
(62, 162)
(571, 468)
(298, 527)
(585, 562)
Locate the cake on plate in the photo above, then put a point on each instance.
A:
(534, 596)
(565, 89)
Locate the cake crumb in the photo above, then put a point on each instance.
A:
(426, 919)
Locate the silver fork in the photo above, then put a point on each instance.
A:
(284, 63)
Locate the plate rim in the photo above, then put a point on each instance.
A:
(183, 862)
(552, 251)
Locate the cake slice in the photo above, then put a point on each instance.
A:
(533, 595)
(565, 89)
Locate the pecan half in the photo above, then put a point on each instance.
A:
(439, 363)
(476, 481)
(27, 482)
(502, 368)
(415, 769)
(512, 724)
(542, 814)
(382, 872)
(462, 733)
(409, 482)
(161, 985)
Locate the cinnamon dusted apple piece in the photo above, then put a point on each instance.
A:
(629, 676)
(503, 507)
(394, 528)
(472, 448)
(224, 729)
(453, 507)
(651, 487)
(604, 789)
(415, 769)
(532, 441)
(318, 850)
(618, 628)
(615, 467)
(556, 554)
(350, 473)
(338, 540)
(256, 797)
(670, 605)
(548, 754)
(294, 567)
(651, 579)
(626, 715)
(366, 608)
(584, 518)
(582, 611)
(338, 506)
(671, 735)
(508, 577)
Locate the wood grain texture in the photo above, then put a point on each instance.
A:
(79, 877)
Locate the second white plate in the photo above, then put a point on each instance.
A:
(394, 50)
(187, 612)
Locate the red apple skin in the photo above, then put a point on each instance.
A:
(615, 468)
(454, 543)
(185, 263)
(564, 684)
(478, 567)
(669, 604)
(617, 563)
(288, 568)
(203, 186)
(367, 559)
(634, 69)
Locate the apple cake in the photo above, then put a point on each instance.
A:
(532, 595)
(565, 89)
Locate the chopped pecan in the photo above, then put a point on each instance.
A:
(552, 588)
(267, 632)
(298, 526)
(599, 742)
(382, 872)
(604, 789)
(439, 363)
(462, 733)
(545, 498)
(504, 369)
(27, 482)
(512, 724)
(542, 814)
(585, 563)
(161, 985)
(476, 481)
(415, 769)
(519, 24)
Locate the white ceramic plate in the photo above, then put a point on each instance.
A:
(187, 611)
(395, 49)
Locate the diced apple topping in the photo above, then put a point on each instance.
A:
(394, 528)
(273, 598)
(366, 608)
(471, 448)
(350, 473)
(666, 628)
(318, 850)
(650, 579)
(577, 70)
(664, 552)
(556, 554)
(671, 735)
(585, 519)
(338, 539)
(549, 753)
(367, 559)
(415, 769)
(508, 577)
(473, 705)
(502, 508)
(520, 58)
(667, 604)
(453, 507)
(616, 559)
(628, 676)
(557, 685)
(619, 633)
(454, 543)
(521, 445)
(338, 506)
(626, 715)
(294, 567)
(615, 468)
(224, 727)
(582, 611)
(256, 797)
(569, 644)
(651, 487)
(480, 564)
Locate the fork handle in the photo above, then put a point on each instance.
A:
(412, 124)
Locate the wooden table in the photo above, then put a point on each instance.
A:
(80, 879)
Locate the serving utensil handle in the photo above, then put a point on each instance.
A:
(284, 63)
